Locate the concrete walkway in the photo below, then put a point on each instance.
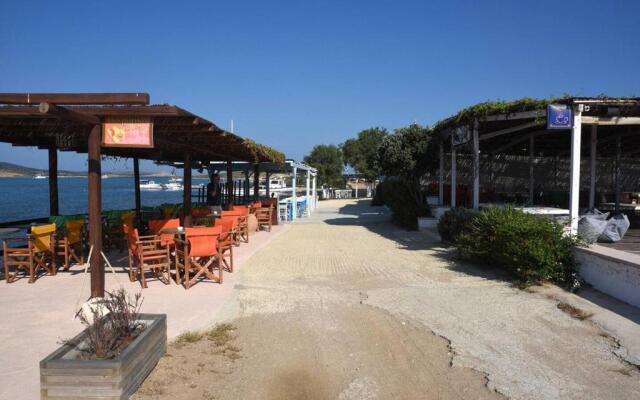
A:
(36, 317)
(345, 305)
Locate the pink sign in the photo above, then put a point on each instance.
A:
(127, 132)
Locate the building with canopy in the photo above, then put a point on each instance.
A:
(118, 125)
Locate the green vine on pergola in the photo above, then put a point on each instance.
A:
(263, 153)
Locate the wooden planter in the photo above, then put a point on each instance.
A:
(64, 376)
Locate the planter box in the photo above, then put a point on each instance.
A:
(64, 376)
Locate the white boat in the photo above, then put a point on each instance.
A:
(150, 185)
(173, 186)
(39, 177)
(105, 176)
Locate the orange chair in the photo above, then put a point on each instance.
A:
(158, 225)
(242, 212)
(264, 217)
(227, 240)
(198, 253)
(71, 245)
(39, 254)
(146, 253)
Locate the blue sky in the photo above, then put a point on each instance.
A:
(292, 74)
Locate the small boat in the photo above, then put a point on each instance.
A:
(173, 186)
(150, 185)
(39, 177)
(105, 176)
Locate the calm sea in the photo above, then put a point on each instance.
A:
(25, 198)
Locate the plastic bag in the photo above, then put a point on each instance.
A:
(590, 227)
(615, 229)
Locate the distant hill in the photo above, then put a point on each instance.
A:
(9, 170)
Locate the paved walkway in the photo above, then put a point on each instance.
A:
(36, 317)
(345, 305)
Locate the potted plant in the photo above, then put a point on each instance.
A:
(111, 357)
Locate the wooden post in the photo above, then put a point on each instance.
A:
(574, 192)
(476, 167)
(592, 167)
(246, 186)
(453, 174)
(617, 173)
(532, 153)
(267, 188)
(186, 203)
(230, 184)
(294, 205)
(315, 193)
(136, 186)
(256, 182)
(95, 211)
(441, 176)
(53, 181)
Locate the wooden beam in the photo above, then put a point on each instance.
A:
(516, 115)
(590, 120)
(136, 186)
(53, 181)
(67, 114)
(229, 185)
(95, 212)
(256, 182)
(510, 130)
(186, 178)
(75, 98)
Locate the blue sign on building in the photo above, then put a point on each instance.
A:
(559, 116)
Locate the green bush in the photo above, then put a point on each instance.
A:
(377, 196)
(455, 222)
(404, 210)
(532, 248)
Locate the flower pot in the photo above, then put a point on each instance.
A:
(64, 375)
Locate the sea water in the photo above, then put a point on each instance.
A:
(26, 198)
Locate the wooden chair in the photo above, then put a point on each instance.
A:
(198, 254)
(242, 212)
(263, 215)
(38, 254)
(147, 254)
(227, 240)
(70, 242)
(158, 225)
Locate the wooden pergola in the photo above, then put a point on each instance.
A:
(73, 122)
(614, 131)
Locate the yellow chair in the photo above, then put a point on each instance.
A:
(38, 254)
(71, 245)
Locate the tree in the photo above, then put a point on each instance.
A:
(408, 155)
(361, 152)
(327, 159)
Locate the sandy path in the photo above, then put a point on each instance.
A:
(344, 306)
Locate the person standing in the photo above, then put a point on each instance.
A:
(214, 197)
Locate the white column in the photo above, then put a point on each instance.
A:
(441, 176)
(592, 167)
(294, 205)
(453, 174)
(476, 167)
(574, 194)
(315, 193)
(307, 197)
(532, 154)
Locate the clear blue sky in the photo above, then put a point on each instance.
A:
(292, 74)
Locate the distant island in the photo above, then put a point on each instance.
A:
(8, 170)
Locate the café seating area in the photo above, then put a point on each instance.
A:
(163, 244)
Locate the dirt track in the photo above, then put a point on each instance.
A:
(344, 306)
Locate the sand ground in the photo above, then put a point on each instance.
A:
(346, 306)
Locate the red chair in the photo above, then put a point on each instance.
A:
(227, 240)
(158, 225)
(146, 254)
(198, 253)
(242, 212)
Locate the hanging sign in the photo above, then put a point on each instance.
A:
(559, 116)
(461, 135)
(127, 132)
